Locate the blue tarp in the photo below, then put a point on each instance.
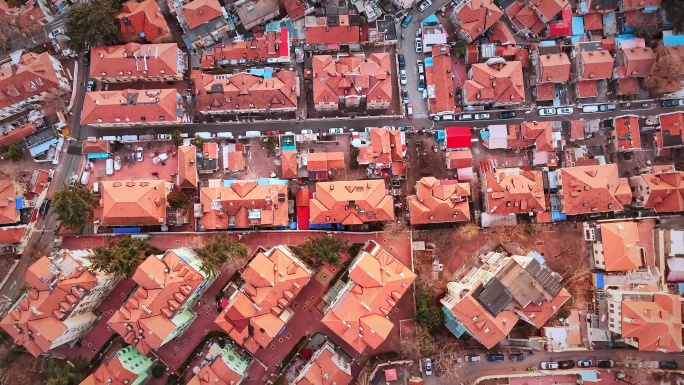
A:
(599, 281)
(98, 155)
(577, 25)
(538, 257)
(321, 226)
(625, 36)
(557, 216)
(126, 230)
(547, 43)
(266, 72)
(675, 40)
(681, 287)
(431, 19)
(589, 375)
(441, 136)
(553, 182)
(267, 181)
(428, 61)
(19, 203)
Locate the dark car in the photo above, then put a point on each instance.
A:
(569, 364)
(607, 107)
(670, 103)
(272, 132)
(605, 363)
(516, 356)
(404, 95)
(86, 59)
(44, 207)
(507, 115)
(495, 357)
(402, 62)
(667, 365)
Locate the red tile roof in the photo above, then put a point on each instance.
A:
(340, 34)
(110, 372)
(587, 89)
(629, 86)
(352, 202)
(198, 12)
(11, 235)
(528, 134)
(622, 246)
(386, 146)
(231, 205)
(17, 134)
(187, 167)
(501, 83)
(593, 21)
(459, 159)
(666, 191)
(151, 61)
(326, 368)
(540, 314)
(590, 189)
(596, 65)
(131, 106)
(477, 16)
(145, 18)
(439, 201)
(636, 62)
(627, 132)
(379, 282)
(550, 8)
(288, 160)
(318, 161)
(9, 192)
(501, 34)
(639, 4)
(134, 203)
(217, 372)
(577, 129)
(554, 68)
(295, 9)
(236, 161)
(440, 73)
(546, 91)
(655, 324)
(672, 125)
(95, 147)
(33, 75)
(263, 45)
(514, 191)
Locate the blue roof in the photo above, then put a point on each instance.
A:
(609, 18)
(431, 19)
(19, 203)
(577, 25)
(267, 181)
(266, 72)
(41, 148)
(681, 287)
(441, 136)
(557, 216)
(428, 61)
(538, 257)
(673, 40)
(549, 43)
(589, 375)
(599, 281)
(98, 155)
(624, 36)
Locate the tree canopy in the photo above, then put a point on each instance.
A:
(93, 24)
(62, 373)
(121, 257)
(322, 249)
(178, 199)
(667, 73)
(73, 206)
(15, 153)
(54, 101)
(177, 137)
(218, 251)
(674, 9)
(428, 315)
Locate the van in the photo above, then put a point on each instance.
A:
(463, 117)
(109, 168)
(406, 22)
(447, 117)
(86, 176)
(253, 134)
(590, 109)
(129, 138)
(495, 357)
(204, 135)
(516, 356)
(112, 138)
(96, 188)
(472, 358)
(225, 135)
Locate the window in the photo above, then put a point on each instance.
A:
(161, 117)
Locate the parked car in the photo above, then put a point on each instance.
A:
(109, 166)
(139, 154)
(402, 77)
(472, 358)
(406, 22)
(495, 357)
(305, 131)
(667, 365)
(73, 180)
(409, 111)
(404, 95)
(567, 364)
(681, 102)
(670, 103)
(607, 107)
(421, 82)
(565, 111)
(419, 45)
(225, 135)
(549, 365)
(44, 207)
(402, 62)
(428, 367)
(605, 363)
(86, 59)
(336, 131)
(590, 109)
(424, 5)
(421, 67)
(481, 116)
(164, 137)
(272, 132)
(584, 363)
(465, 117)
(117, 163)
(547, 111)
(90, 86)
(517, 356)
(507, 115)
(253, 134)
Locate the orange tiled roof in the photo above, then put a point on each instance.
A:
(637, 62)
(515, 193)
(130, 106)
(546, 91)
(143, 17)
(351, 202)
(358, 76)
(627, 132)
(360, 316)
(231, 205)
(673, 125)
(442, 100)
(386, 146)
(8, 207)
(577, 129)
(636, 4)
(539, 314)
(236, 161)
(33, 75)
(527, 134)
(554, 68)
(110, 372)
(326, 369)
(164, 284)
(477, 16)
(596, 65)
(501, 34)
(134, 203)
(17, 134)
(11, 235)
(667, 191)
(217, 373)
(317, 161)
(459, 159)
(187, 166)
(589, 189)
(198, 12)
(587, 89)
(157, 60)
(272, 280)
(263, 45)
(621, 250)
(438, 201)
(500, 83)
(337, 34)
(655, 324)
(550, 8)
(593, 21)
(288, 160)
(95, 146)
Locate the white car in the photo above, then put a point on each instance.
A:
(565, 111)
(139, 154)
(90, 86)
(428, 366)
(481, 116)
(164, 137)
(421, 67)
(117, 163)
(402, 77)
(681, 102)
(305, 131)
(549, 365)
(547, 112)
(419, 45)
(336, 131)
(424, 5)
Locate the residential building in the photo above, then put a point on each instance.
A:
(327, 365)
(626, 135)
(289, 165)
(296, 9)
(134, 203)
(224, 366)
(15, 132)
(29, 13)
(320, 164)
(538, 135)
(263, 47)
(386, 151)
(532, 17)
(439, 201)
(203, 21)
(459, 159)
(257, 307)
(248, 92)
(334, 32)
(670, 133)
(10, 238)
(592, 189)
(94, 149)
(440, 83)
(187, 167)
(592, 67)
(160, 308)
(352, 81)
(143, 22)
(359, 307)
(256, 12)
(243, 204)
(135, 62)
(473, 17)
(647, 319)
(199, 12)
(552, 71)
(488, 301)
(208, 159)
(661, 191)
(631, 64)
(496, 83)
(620, 245)
(627, 5)
(28, 80)
(10, 198)
(58, 307)
(131, 107)
(513, 191)
(126, 366)
(351, 202)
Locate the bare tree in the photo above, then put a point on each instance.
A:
(667, 72)
(416, 344)
(55, 100)
(395, 228)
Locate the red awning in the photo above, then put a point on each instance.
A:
(457, 137)
(563, 28)
(303, 216)
(284, 46)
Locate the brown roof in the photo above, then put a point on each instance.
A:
(288, 160)
(554, 68)
(198, 12)
(11, 235)
(111, 62)
(656, 325)
(244, 91)
(501, 83)
(637, 62)
(130, 106)
(244, 204)
(627, 132)
(527, 134)
(596, 65)
(439, 201)
(33, 75)
(477, 16)
(622, 246)
(317, 161)
(439, 76)
(459, 159)
(9, 192)
(352, 77)
(187, 166)
(666, 191)
(143, 17)
(16, 134)
(352, 202)
(263, 45)
(272, 279)
(134, 203)
(340, 34)
(515, 192)
(295, 9)
(327, 368)
(386, 146)
(95, 146)
(589, 189)
(360, 317)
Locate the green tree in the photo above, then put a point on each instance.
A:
(198, 141)
(93, 24)
(674, 9)
(271, 145)
(63, 373)
(219, 251)
(16, 3)
(428, 315)
(679, 166)
(121, 257)
(322, 249)
(15, 153)
(178, 199)
(73, 206)
(176, 137)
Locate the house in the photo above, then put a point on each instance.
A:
(58, 307)
(551, 70)
(126, 366)
(660, 191)
(257, 309)
(134, 203)
(10, 198)
(247, 92)
(627, 5)
(28, 80)
(187, 167)
(351, 81)
(327, 365)
(439, 80)
(351, 202)
(202, 21)
(225, 366)
(488, 301)
(15, 132)
(318, 164)
(135, 62)
(10, 237)
(626, 135)
(367, 294)
(538, 135)
(199, 12)
(131, 107)
(334, 31)
(296, 9)
(621, 245)
(208, 158)
(513, 191)
(94, 149)
(386, 151)
(592, 67)
(473, 17)
(631, 64)
(160, 308)
(495, 83)
(288, 161)
(646, 318)
(256, 12)
(243, 204)
(670, 133)
(143, 22)
(592, 189)
(532, 17)
(439, 201)
(459, 159)
(263, 47)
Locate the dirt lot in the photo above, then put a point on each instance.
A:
(25, 369)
